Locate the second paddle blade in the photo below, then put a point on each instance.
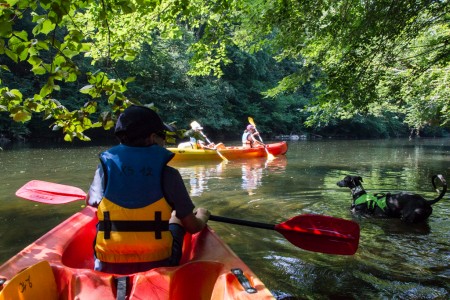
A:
(321, 234)
(50, 193)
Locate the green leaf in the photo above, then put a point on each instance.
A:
(90, 107)
(129, 57)
(87, 89)
(5, 29)
(22, 34)
(34, 60)
(68, 137)
(11, 55)
(17, 94)
(71, 77)
(47, 26)
(46, 90)
(39, 70)
(108, 125)
(21, 116)
(12, 2)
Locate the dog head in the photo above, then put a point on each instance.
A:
(350, 181)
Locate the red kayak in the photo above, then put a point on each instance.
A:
(209, 270)
(59, 265)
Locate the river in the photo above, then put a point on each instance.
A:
(394, 260)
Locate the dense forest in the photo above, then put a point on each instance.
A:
(345, 69)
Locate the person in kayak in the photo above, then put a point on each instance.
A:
(197, 140)
(143, 206)
(249, 137)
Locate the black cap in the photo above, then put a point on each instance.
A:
(139, 122)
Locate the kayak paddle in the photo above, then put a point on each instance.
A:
(310, 232)
(50, 193)
(269, 156)
(315, 233)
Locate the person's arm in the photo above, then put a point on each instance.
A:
(95, 194)
(255, 140)
(177, 195)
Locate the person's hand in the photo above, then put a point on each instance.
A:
(203, 214)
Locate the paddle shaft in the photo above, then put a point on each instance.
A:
(242, 222)
(220, 154)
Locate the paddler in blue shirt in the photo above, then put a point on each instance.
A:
(143, 206)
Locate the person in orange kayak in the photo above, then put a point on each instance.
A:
(143, 206)
(248, 137)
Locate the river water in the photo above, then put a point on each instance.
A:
(394, 260)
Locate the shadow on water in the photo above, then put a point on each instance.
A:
(394, 260)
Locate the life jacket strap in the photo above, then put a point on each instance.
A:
(157, 226)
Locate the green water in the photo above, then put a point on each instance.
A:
(394, 260)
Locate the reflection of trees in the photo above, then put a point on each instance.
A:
(385, 165)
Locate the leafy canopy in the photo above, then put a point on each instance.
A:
(363, 57)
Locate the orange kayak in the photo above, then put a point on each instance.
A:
(59, 265)
(230, 153)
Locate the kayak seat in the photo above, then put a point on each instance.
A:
(34, 282)
(193, 280)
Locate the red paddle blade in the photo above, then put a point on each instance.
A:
(321, 234)
(49, 192)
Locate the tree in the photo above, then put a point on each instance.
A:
(364, 56)
(359, 56)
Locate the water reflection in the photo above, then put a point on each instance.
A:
(197, 176)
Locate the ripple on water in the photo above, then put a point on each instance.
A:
(395, 289)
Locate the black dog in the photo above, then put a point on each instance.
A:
(411, 208)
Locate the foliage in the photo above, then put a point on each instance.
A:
(338, 59)
(353, 51)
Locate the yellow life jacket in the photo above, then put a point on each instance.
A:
(143, 237)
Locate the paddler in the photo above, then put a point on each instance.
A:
(144, 208)
(197, 140)
(249, 137)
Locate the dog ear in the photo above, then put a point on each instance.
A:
(360, 179)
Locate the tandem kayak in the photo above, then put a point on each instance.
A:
(59, 265)
(230, 152)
